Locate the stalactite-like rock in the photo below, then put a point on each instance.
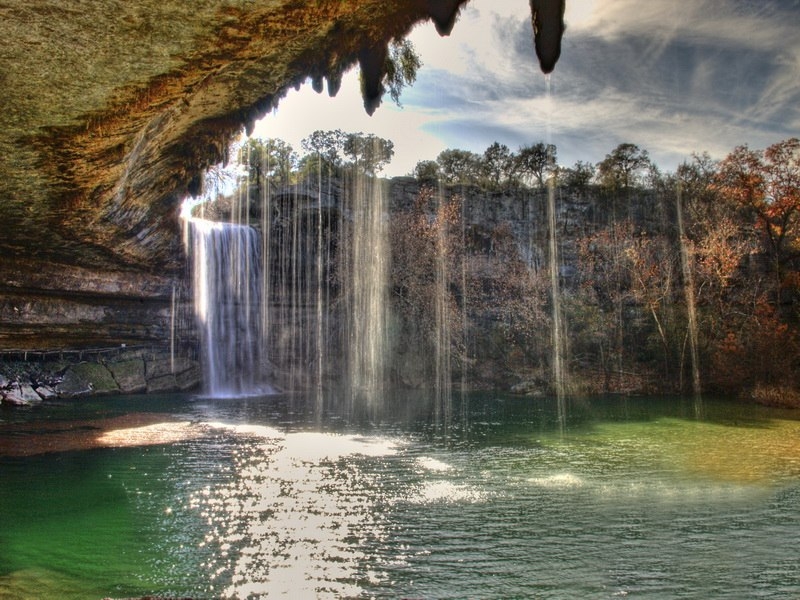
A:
(444, 14)
(334, 83)
(372, 61)
(547, 17)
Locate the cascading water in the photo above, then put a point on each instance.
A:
(227, 299)
(558, 335)
(691, 306)
(443, 384)
(367, 270)
(557, 315)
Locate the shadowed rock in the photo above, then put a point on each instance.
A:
(444, 14)
(547, 17)
(373, 67)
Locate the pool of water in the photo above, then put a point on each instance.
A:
(260, 497)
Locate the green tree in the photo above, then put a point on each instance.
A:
(536, 161)
(323, 150)
(458, 166)
(497, 165)
(577, 177)
(368, 152)
(427, 170)
(402, 64)
(268, 161)
(387, 68)
(624, 167)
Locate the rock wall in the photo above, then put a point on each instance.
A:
(38, 376)
(524, 213)
(111, 113)
(500, 258)
(50, 305)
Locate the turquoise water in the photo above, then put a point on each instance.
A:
(258, 497)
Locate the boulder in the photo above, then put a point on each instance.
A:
(165, 375)
(46, 392)
(87, 378)
(21, 394)
(163, 383)
(160, 365)
(190, 378)
(129, 375)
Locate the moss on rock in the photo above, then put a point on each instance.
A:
(87, 378)
(129, 375)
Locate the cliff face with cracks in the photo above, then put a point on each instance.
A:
(109, 115)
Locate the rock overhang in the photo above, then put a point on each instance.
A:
(112, 111)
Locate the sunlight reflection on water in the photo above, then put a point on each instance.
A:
(294, 520)
(146, 435)
(662, 508)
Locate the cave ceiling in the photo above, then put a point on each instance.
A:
(111, 110)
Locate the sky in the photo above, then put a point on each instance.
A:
(675, 78)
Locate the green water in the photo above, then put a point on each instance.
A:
(258, 498)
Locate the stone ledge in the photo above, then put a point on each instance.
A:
(27, 383)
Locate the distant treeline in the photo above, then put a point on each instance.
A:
(726, 256)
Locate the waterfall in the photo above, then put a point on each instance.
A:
(367, 271)
(691, 305)
(443, 336)
(558, 340)
(227, 300)
(559, 331)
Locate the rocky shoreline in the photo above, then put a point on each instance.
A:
(32, 378)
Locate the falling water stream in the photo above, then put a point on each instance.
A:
(558, 330)
(366, 269)
(443, 371)
(558, 327)
(691, 303)
(227, 294)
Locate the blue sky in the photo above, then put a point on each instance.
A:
(672, 77)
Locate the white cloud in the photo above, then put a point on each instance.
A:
(749, 24)
(674, 78)
(304, 111)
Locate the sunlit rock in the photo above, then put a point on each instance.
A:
(86, 378)
(21, 394)
(46, 392)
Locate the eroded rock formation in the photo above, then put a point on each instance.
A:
(109, 115)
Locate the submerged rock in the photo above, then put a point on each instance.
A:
(46, 392)
(533, 388)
